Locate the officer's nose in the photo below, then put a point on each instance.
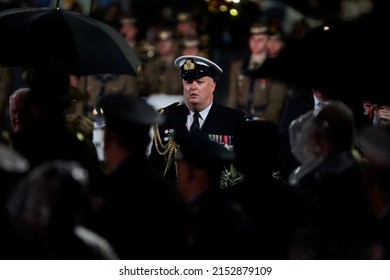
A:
(193, 84)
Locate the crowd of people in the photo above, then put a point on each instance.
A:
(275, 173)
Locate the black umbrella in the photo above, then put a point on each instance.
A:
(85, 46)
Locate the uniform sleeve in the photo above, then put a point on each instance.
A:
(277, 99)
(233, 86)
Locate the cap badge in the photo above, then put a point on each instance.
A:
(189, 65)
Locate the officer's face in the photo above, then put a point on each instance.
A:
(198, 93)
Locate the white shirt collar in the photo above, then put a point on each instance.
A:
(316, 100)
(203, 115)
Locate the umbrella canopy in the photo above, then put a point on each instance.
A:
(85, 46)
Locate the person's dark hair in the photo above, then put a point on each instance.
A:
(129, 136)
(130, 119)
(256, 144)
(336, 125)
(50, 85)
(52, 196)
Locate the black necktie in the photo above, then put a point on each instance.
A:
(195, 124)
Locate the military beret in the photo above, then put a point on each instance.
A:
(276, 33)
(184, 17)
(190, 42)
(165, 34)
(258, 28)
(199, 150)
(194, 67)
(128, 20)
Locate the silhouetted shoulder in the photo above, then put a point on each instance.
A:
(169, 107)
(231, 111)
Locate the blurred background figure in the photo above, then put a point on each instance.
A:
(189, 27)
(186, 25)
(46, 212)
(379, 115)
(81, 125)
(374, 143)
(13, 166)
(20, 110)
(259, 97)
(263, 196)
(218, 228)
(109, 12)
(297, 105)
(329, 181)
(6, 85)
(50, 137)
(142, 215)
(96, 86)
(159, 74)
(276, 42)
(129, 29)
(93, 88)
(191, 46)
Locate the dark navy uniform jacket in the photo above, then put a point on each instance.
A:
(219, 125)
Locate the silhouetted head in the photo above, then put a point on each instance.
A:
(50, 88)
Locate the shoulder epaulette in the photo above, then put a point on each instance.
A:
(168, 107)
